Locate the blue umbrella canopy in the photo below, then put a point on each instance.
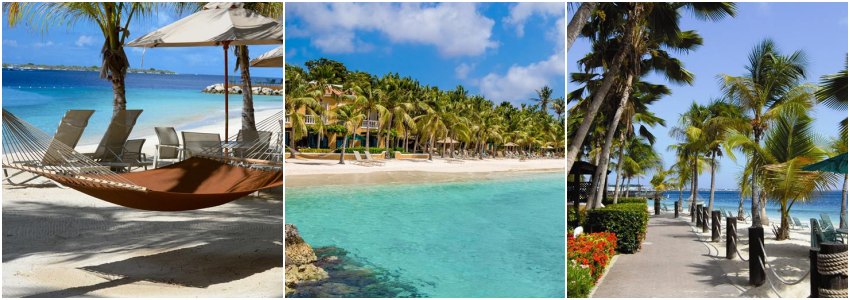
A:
(836, 164)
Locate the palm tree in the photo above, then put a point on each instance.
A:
(559, 107)
(350, 117)
(578, 21)
(771, 86)
(692, 144)
(833, 92)
(368, 98)
(789, 145)
(544, 96)
(113, 19)
(646, 26)
(272, 10)
(722, 116)
(302, 99)
(660, 182)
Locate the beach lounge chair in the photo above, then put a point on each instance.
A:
(132, 154)
(818, 236)
(199, 143)
(108, 152)
(799, 224)
(252, 143)
(826, 222)
(169, 146)
(372, 160)
(358, 160)
(64, 140)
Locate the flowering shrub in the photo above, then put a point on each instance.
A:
(593, 250)
(579, 281)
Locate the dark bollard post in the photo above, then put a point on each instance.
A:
(657, 206)
(705, 219)
(756, 239)
(698, 212)
(676, 210)
(814, 279)
(715, 226)
(833, 279)
(731, 237)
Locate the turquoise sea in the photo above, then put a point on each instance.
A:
(41, 97)
(828, 202)
(489, 238)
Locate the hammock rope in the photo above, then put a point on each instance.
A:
(217, 175)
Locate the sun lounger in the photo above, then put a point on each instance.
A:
(169, 146)
(358, 160)
(372, 160)
(112, 144)
(64, 140)
(199, 143)
(252, 143)
(799, 224)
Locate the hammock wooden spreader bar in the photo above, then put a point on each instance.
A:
(194, 183)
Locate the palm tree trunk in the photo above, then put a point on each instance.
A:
(602, 167)
(619, 164)
(843, 222)
(711, 193)
(784, 228)
(342, 153)
(694, 185)
(389, 132)
(578, 21)
(119, 98)
(765, 220)
(368, 128)
(741, 208)
(600, 95)
(431, 148)
(248, 121)
(628, 183)
(754, 187)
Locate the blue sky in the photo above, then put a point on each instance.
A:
(504, 51)
(80, 45)
(819, 29)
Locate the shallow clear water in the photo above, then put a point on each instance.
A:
(491, 238)
(42, 97)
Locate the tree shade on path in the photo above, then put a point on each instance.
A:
(671, 263)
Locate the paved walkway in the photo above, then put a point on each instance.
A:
(672, 263)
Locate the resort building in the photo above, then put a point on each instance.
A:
(333, 97)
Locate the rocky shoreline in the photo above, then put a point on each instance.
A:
(329, 272)
(300, 260)
(218, 88)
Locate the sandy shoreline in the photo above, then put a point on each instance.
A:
(309, 172)
(63, 243)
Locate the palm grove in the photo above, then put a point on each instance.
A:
(760, 119)
(412, 117)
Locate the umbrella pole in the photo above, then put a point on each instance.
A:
(226, 92)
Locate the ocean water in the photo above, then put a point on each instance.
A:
(490, 238)
(41, 97)
(828, 202)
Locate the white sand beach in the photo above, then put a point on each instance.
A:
(62, 243)
(303, 172)
(789, 258)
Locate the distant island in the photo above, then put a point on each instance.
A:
(32, 66)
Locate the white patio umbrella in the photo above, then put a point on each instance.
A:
(217, 24)
(270, 59)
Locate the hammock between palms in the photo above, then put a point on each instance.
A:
(195, 183)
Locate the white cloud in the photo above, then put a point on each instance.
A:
(43, 44)
(518, 84)
(292, 52)
(462, 70)
(10, 43)
(455, 29)
(521, 12)
(84, 40)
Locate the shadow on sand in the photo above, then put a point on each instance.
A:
(199, 248)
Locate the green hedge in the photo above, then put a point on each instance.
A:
(575, 218)
(579, 281)
(314, 150)
(610, 200)
(626, 220)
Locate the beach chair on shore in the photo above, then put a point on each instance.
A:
(200, 143)
(252, 143)
(799, 224)
(111, 146)
(169, 146)
(372, 160)
(358, 160)
(64, 140)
